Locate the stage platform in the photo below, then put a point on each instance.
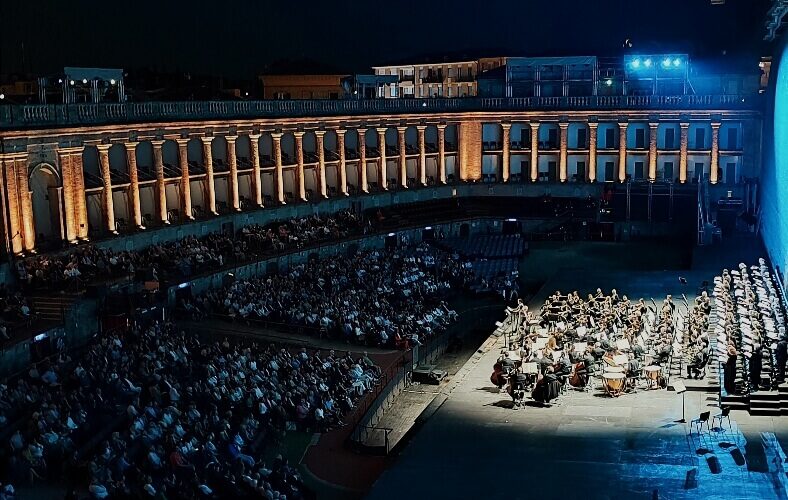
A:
(588, 445)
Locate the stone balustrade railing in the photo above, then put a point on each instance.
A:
(27, 116)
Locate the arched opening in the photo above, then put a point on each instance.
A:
(119, 173)
(47, 202)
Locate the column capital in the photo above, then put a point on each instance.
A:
(442, 126)
(361, 130)
(103, 147)
(381, 130)
(506, 125)
(298, 134)
(684, 125)
(277, 136)
(182, 141)
(207, 139)
(131, 146)
(230, 138)
(320, 133)
(255, 137)
(157, 143)
(563, 125)
(593, 125)
(623, 124)
(421, 128)
(74, 149)
(653, 125)
(402, 128)
(716, 124)
(340, 131)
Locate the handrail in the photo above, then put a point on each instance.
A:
(25, 116)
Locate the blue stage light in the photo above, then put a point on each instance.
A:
(647, 63)
(636, 63)
(609, 82)
(666, 62)
(677, 62)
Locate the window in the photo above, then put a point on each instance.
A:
(700, 138)
(640, 138)
(639, 171)
(448, 90)
(733, 139)
(698, 173)
(394, 92)
(552, 168)
(610, 138)
(670, 138)
(552, 138)
(730, 173)
(581, 138)
(610, 171)
(581, 171)
(668, 175)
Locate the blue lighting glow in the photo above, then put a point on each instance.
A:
(636, 63)
(609, 82)
(647, 63)
(666, 62)
(774, 176)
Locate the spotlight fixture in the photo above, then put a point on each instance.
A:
(677, 62)
(609, 82)
(636, 63)
(666, 62)
(647, 63)
(112, 81)
(59, 80)
(84, 80)
(71, 82)
(2, 96)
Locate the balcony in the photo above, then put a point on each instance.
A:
(28, 116)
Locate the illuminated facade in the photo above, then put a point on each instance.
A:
(74, 172)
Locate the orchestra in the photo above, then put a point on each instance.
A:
(629, 344)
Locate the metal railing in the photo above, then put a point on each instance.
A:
(24, 116)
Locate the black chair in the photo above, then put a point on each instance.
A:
(722, 415)
(698, 423)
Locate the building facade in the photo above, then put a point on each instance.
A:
(76, 172)
(303, 86)
(451, 79)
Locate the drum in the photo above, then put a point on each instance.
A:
(614, 369)
(613, 383)
(651, 373)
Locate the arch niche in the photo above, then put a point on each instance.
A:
(47, 197)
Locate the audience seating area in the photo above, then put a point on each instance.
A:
(392, 297)
(154, 412)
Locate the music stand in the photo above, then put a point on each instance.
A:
(679, 387)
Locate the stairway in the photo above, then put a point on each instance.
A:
(52, 307)
(766, 403)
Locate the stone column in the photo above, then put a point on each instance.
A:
(186, 189)
(321, 162)
(134, 185)
(254, 151)
(422, 154)
(403, 162)
(652, 151)
(232, 161)
(382, 162)
(69, 201)
(442, 153)
(80, 197)
(27, 224)
(683, 152)
(342, 166)
(592, 140)
(563, 152)
(534, 151)
(107, 204)
(210, 188)
(506, 160)
(299, 154)
(161, 193)
(11, 195)
(622, 152)
(714, 167)
(362, 160)
(278, 177)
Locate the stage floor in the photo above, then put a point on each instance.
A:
(589, 445)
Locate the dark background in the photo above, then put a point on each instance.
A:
(240, 38)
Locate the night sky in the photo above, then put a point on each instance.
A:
(240, 38)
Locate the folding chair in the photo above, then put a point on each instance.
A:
(698, 423)
(723, 415)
